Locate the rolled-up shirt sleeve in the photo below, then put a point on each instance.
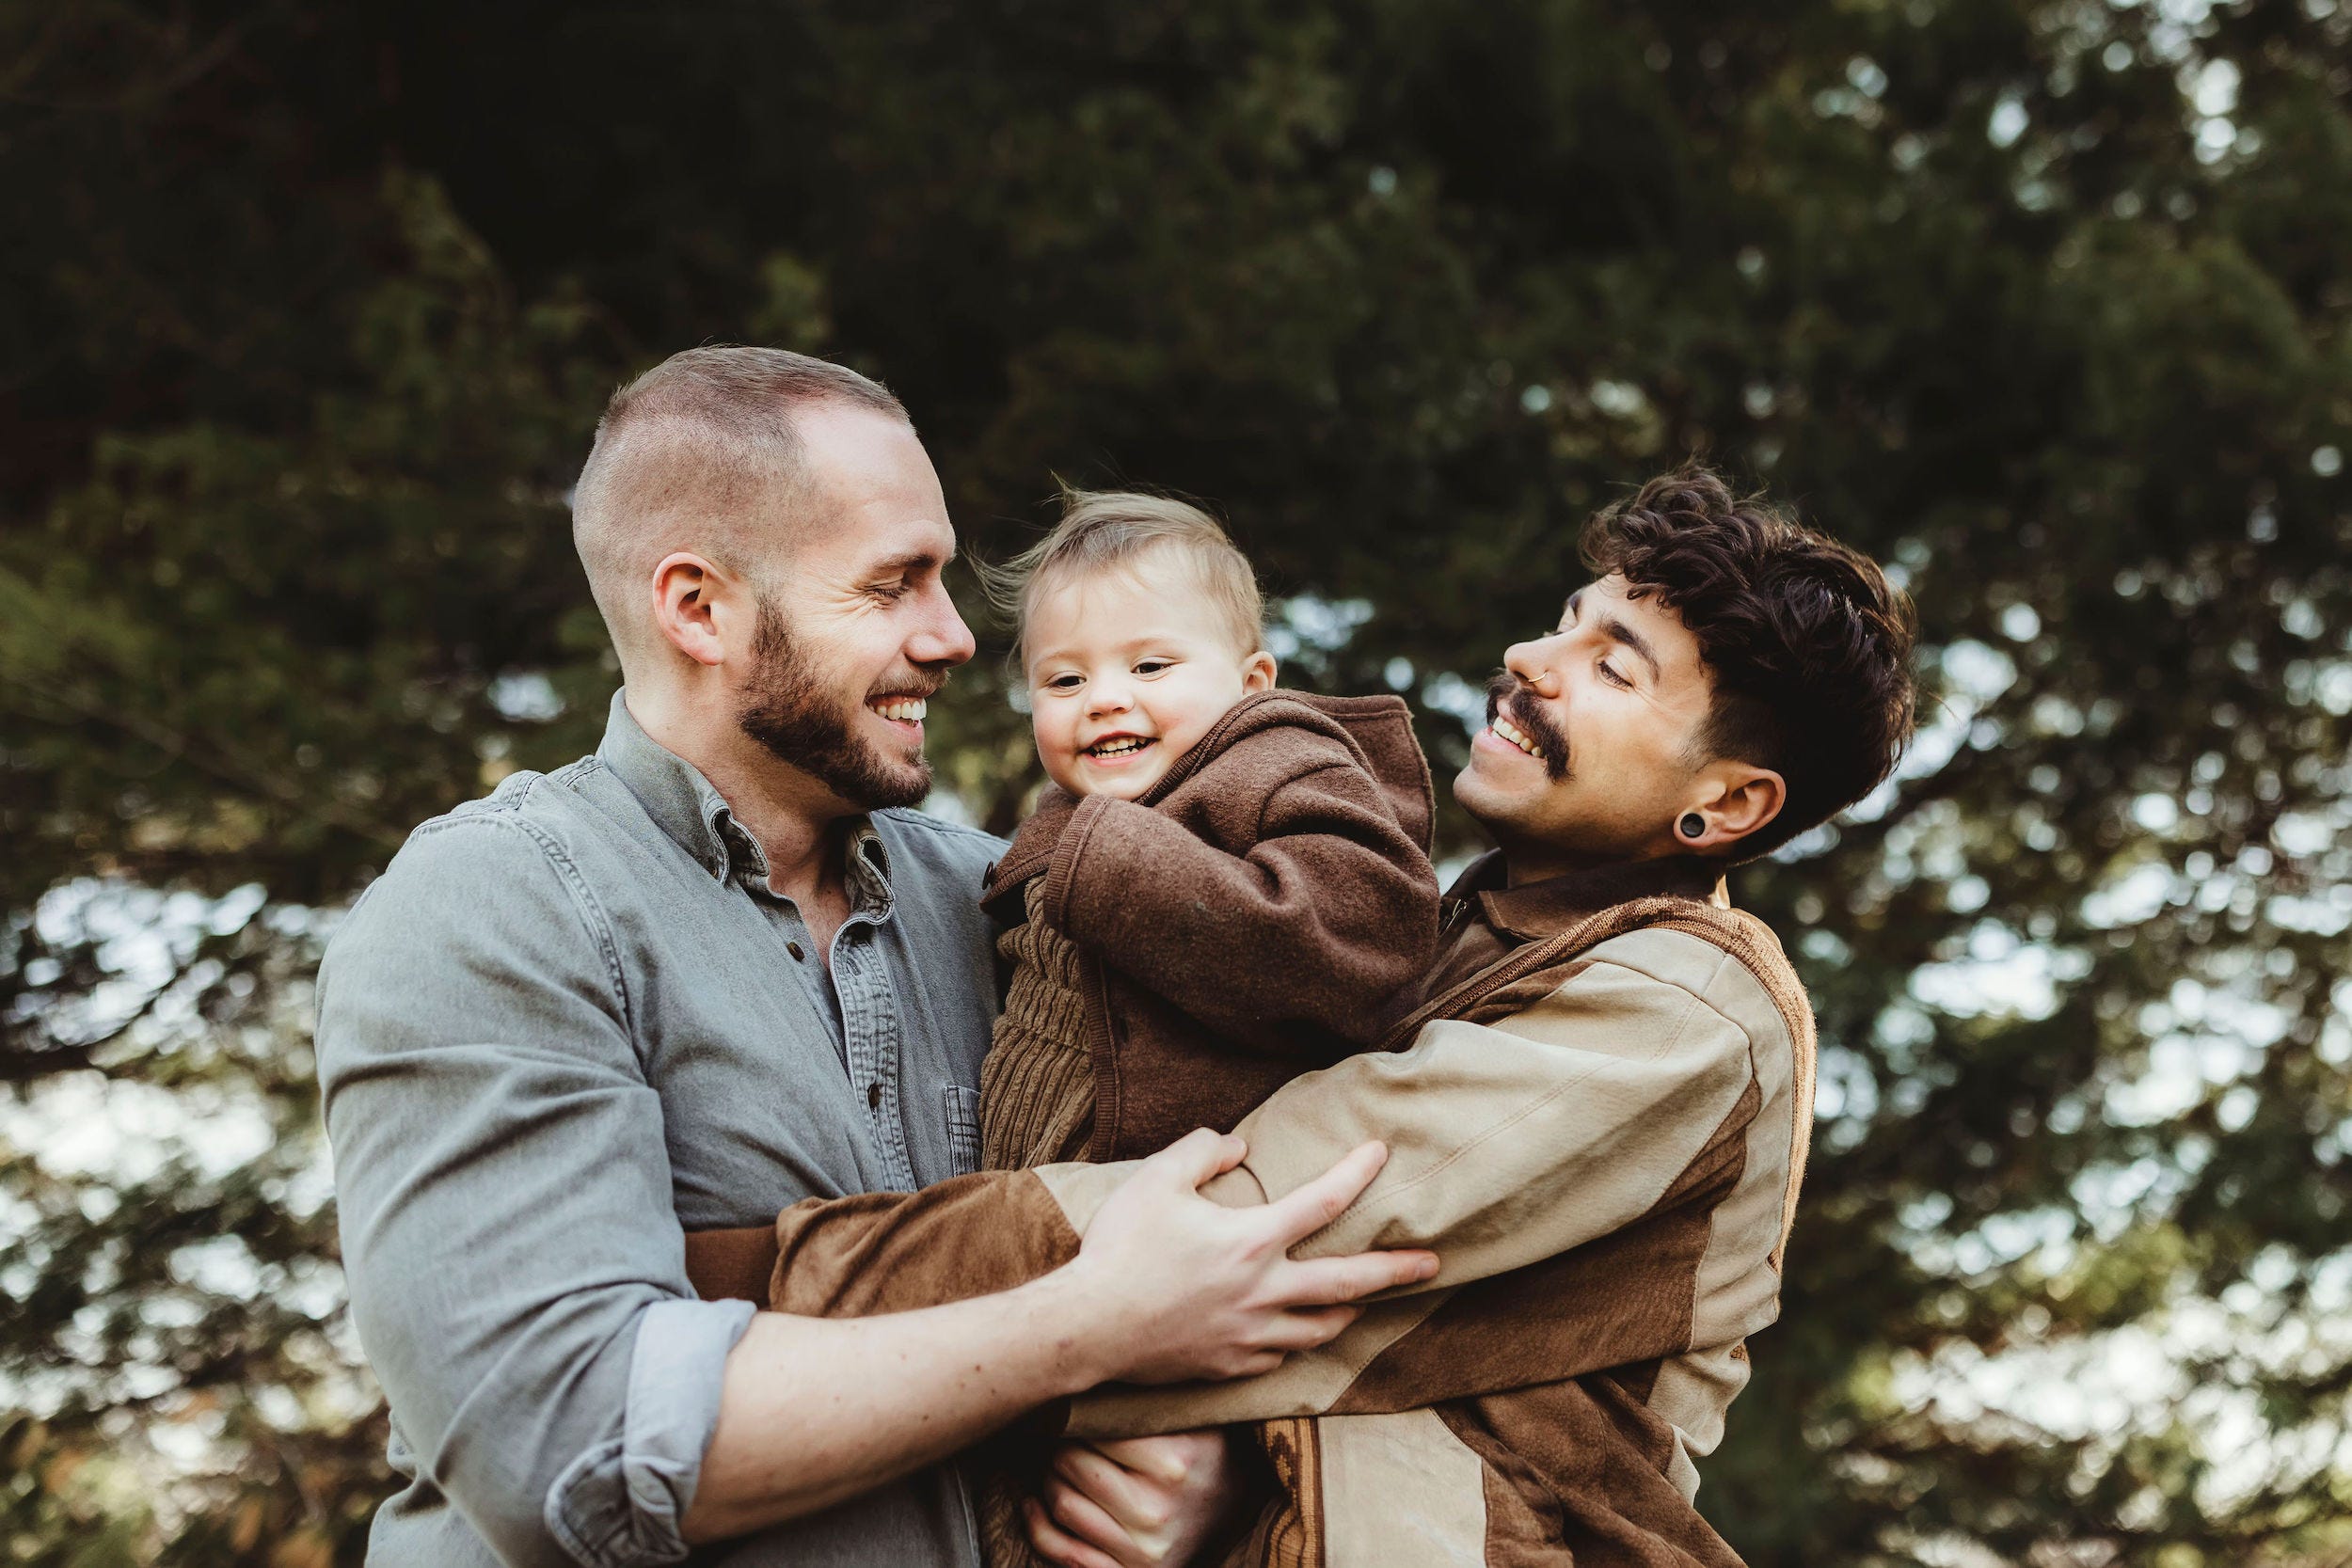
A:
(620, 1502)
(515, 1267)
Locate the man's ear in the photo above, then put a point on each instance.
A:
(1257, 672)
(696, 605)
(1740, 799)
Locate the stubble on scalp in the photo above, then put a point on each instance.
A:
(787, 709)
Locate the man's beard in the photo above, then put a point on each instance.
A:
(788, 710)
(1505, 694)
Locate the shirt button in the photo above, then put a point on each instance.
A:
(794, 948)
(873, 1096)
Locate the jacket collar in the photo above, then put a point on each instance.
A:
(697, 819)
(1537, 909)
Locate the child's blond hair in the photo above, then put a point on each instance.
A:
(1112, 530)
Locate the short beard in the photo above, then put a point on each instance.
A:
(1503, 690)
(787, 709)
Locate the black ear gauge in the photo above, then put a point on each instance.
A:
(1692, 826)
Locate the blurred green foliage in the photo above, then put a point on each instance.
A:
(308, 312)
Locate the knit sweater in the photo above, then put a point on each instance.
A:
(1037, 1085)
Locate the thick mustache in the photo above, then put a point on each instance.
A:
(917, 682)
(1503, 690)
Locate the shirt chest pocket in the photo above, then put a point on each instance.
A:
(963, 1127)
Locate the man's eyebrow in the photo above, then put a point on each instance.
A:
(909, 561)
(1620, 631)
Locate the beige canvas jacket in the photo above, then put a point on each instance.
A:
(1600, 1132)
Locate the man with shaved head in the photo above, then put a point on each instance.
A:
(582, 1026)
(690, 460)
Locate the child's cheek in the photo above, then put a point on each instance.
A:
(1056, 746)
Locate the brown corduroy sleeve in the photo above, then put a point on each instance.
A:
(1327, 914)
(893, 1252)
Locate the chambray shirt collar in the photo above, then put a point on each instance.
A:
(698, 819)
(1537, 910)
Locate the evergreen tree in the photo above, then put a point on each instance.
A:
(309, 310)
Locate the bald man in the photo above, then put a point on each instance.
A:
(717, 967)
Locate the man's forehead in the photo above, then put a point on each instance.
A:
(857, 455)
(1614, 587)
(872, 497)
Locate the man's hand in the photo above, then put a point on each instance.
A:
(1167, 1286)
(1144, 1502)
(1172, 1287)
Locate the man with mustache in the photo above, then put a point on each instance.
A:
(1598, 1110)
(710, 969)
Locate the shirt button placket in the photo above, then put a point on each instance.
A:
(871, 1023)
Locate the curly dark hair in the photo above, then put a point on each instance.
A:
(1808, 644)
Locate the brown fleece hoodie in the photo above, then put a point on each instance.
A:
(1241, 924)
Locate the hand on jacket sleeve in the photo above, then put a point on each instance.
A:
(1511, 1144)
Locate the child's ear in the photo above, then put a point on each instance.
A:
(1257, 671)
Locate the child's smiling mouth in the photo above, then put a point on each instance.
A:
(1118, 748)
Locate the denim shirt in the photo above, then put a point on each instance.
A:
(568, 1023)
